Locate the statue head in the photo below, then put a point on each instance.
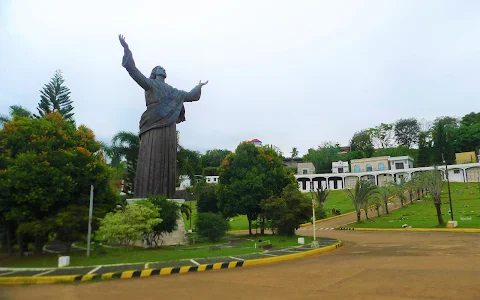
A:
(158, 71)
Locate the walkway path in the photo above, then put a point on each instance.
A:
(371, 265)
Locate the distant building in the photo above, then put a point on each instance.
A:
(339, 167)
(344, 149)
(400, 162)
(380, 163)
(256, 142)
(305, 168)
(466, 157)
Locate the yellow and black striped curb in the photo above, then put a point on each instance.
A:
(164, 271)
(460, 230)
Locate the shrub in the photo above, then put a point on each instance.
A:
(211, 226)
(207, 200)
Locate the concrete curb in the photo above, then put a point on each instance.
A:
(164, 271)
(464, 230)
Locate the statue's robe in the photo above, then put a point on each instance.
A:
(156, 165)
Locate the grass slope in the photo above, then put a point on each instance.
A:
(422, 214)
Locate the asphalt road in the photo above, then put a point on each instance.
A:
(371, 265)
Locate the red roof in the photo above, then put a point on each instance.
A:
(255, 141)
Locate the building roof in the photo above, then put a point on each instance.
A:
(400, 158)
(255, 141)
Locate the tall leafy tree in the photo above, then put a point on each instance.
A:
(362, 141)
(55, 97)
(46, 169)
(406, 132)
(125, 146)
(443, 139)
(470, 119)
(382, 135)
(323, 156)
(248, 176)
(213, 158)
(424, 155)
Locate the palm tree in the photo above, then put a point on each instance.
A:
(361, 195)
(322, 195)
(384, 195)
(294, 152)
(399, 190)
(434, 182)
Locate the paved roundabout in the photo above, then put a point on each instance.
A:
(370, 265)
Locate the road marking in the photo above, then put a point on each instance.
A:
(268, 254)
(237, 258)
(43, 273)
(8, 273)
(94, 270)
(194, 262)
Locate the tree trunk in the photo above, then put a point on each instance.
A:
(418, 194)
(378, 211)
(366, 213)
(401, 201)
(21, 248)
(411, 196)
(358, 216)
(439, 214)
(249, 225)
(386, 207)
(39, 242)
(262, 227)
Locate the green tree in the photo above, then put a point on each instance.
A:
(287, 211)
(15, 111)
(361, 195)
(207, 198)
(382, 135)
(55, 97)
(125, 147)
(362, 141)
(467, 138)
(128, 226)
(213, 158)
(470, 119)
(425, 152)
(248, 176)
(170, 212)
(443, 139)
(211, 226)
(188, 163)
(323, 157)
(406, 132)
(46, 169)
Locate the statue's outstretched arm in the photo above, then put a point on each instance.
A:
(129, 64)
(195, 93)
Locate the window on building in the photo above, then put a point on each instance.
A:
(305, 171)
(208, 180)
(399, 165)
(340, 170)
(214, 179)
(369, 168)
(356, 169)
(456, 171)
(381, 166)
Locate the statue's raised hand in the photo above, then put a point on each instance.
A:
(123, 42)
(202, 83)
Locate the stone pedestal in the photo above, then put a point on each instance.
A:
(315, 244)
(178, 236)
(452, 224)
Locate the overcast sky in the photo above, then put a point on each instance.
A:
(290, 73)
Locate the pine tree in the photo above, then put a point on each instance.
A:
(55, 97)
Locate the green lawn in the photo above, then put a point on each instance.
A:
(422, 214)
(141, 255)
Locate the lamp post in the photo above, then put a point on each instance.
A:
(314, 204)
(448, 184)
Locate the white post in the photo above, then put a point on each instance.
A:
(314, 232)
(90, 220)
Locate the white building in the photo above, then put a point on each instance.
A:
(339, 167)
(456, 173)
(400, 162)
(305, 168)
